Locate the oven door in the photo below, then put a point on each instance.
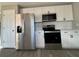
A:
(52, 37)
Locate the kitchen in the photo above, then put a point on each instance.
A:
(57, 22)
(53, 25)
(62, 21)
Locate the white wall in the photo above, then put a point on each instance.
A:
(76, 15)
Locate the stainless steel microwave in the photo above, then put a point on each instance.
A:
(49, 17)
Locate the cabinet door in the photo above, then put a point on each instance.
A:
(44, 10)
(27, 10)
(70, 40)
(40, 42)
(60, 13)
(75, 41)
(50, 9)
(65, 39)
(68, 14)
(38, 14)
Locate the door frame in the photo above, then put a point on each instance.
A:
(2, 29)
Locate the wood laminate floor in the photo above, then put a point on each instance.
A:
(39, 53)
(50, 50)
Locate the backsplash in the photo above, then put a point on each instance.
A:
(75, 24)
(58, 25)
(38, 26)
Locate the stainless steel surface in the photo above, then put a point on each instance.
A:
(0, 35)
(29, 31)
(48, 20)
(20, 41)
(26, 39)
(51, 31)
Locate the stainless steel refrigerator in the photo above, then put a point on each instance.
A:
(25, 36)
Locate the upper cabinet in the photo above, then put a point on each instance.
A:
(38, 14)
(27, 10)
(68, 13)
(59, 13)
(48, 10)
(63, 12)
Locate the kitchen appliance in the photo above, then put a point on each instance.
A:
(25, 31)
(51, 35)
(49, 17)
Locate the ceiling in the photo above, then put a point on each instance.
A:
(34, 4)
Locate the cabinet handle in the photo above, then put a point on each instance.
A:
(64, 19)
(48, 12)
(12, 30)
(71, 36)
(65, 32)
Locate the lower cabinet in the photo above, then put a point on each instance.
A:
(70, 39)
(0, 43)
(40, 42)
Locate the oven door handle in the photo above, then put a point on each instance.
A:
(51, 31)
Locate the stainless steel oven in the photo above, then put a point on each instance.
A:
(51, 34)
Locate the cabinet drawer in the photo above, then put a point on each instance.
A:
(68, 14)
(65, 34)
(72, 39)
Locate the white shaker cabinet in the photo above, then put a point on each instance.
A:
(64, 12)
(48, 10)
(65, 39)
(70, 39)
(38, 14)
(40, 41)
(27, 10)
(52, 9)
(76, 38)
(44, 10)
(68, 13)
(60, 13)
